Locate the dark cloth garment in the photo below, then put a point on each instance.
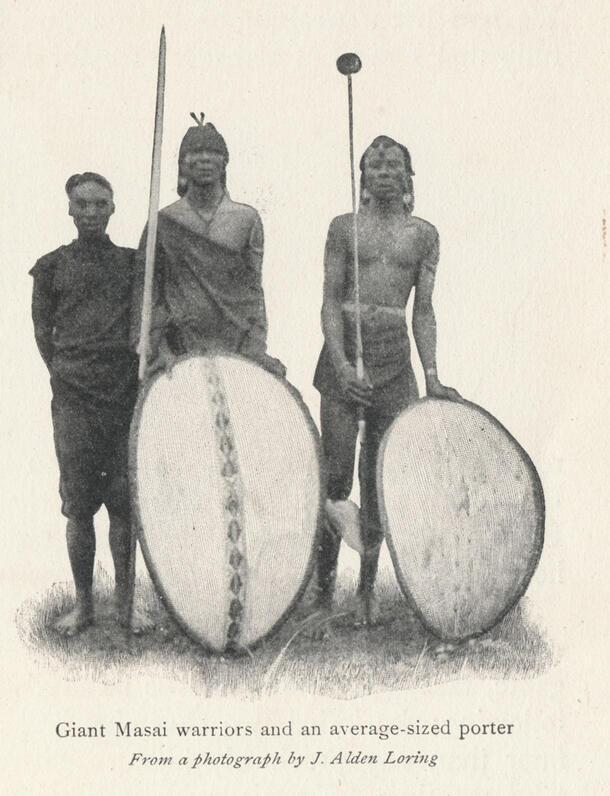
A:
(81, 309)
(207, 289)
(202, 289)
(386, 355)
(92, 450)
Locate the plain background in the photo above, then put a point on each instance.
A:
(505, 111)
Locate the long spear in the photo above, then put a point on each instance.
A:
(149, 268)
(153, 212)
(348, 64)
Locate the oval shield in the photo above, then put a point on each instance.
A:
(226, 487)
(463, 512)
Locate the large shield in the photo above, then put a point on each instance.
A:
(463, 513)
(226, 488)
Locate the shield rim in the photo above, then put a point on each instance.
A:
(538, 533)
(138, 528)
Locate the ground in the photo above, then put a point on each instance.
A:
(396, 655)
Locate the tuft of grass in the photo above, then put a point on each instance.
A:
(395, 655)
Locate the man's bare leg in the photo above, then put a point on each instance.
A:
(124, 576)
(80, 537)
(367, 612)
(327, 556)
(339, 432)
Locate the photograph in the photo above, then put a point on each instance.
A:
(305, 397)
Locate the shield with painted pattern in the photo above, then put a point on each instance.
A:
(226, 489)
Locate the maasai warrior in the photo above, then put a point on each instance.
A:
(207, 292)
(80, 307)
(397, 252)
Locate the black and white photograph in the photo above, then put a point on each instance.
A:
(305, 397)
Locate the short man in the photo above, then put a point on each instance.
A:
(80, 308)
(397, 252)
(208, 290)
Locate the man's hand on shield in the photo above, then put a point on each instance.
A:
(163, 360)
(434, 389)
(359, 390)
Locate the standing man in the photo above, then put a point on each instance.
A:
(80, 308)
(207, 290)
(397, 252)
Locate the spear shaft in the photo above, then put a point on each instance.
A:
(348, 64)
(153, 212)
(359, 350)
(149, 268)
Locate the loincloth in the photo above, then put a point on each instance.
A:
(386, 356)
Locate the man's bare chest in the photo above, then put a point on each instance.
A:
(390, 247)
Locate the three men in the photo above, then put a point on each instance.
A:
(208, 292)
(208, 295)
(397, 252)
(80, 308)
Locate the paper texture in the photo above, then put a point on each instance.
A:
(504, 108)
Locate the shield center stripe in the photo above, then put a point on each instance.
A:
(232, 501)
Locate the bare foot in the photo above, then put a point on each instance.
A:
(136, 620)
(366, 613)
(322, 623)
(141, 622)
(75, 621)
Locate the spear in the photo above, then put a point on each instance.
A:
(149, 268)
(348, 64)
(153, 212)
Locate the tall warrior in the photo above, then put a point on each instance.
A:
(397, 252)
(207, 289)
(80, 308)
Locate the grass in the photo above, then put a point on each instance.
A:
(397, 654)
